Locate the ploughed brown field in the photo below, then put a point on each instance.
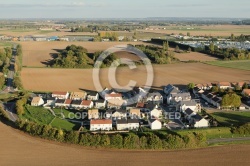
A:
(47, 79)
(21, 149)
(38, 53)
(194, 56)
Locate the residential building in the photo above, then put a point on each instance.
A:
(92, 95)
(100, 124)
(154, 124)
(119, 114)
(156, 112)
(170, 89)
(224, 85)
(115, 103)
(175, 98)
(59, 102)
(60, 95)
(192, 104)
(67, 103)
(76, 104)
(113, 96)
(127, 124)
(87, 104)
(246, 92)
(155, 97)
(198, 121)
(135, 113)
(100, 103)
(78, 95)
(216, 101)
(37, 101)
(51, 101)
(93, 114)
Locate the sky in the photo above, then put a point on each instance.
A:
(124, 8)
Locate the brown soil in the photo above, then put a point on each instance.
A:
(21, 149)
(194, 56)
(48, 79)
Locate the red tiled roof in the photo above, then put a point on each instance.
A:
(86, 102)
(59, 93)
(114, 95)
(140, 105)
(101, 121)
(246, 91)
(224, 84)
(68, 101)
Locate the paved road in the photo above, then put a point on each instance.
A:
(11, 111)
(228, 139)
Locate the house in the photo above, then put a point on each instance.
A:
(109, 113)
(189, 113)
(135, 113)
(155, 97)
(224, 85)
(175, 98)
(198, 121)
(100, 124)
(100, 103)
(154, 124)
(76, 104)
(216, 101)
(51, 101)
(127, 124)
(37, 101)
(59, 102)
(205, 86)
(238, 84)
(170, 89)
(93, 114)
(192, 104)
(115, 103)
(246, 92)
(197, 92)
(67, 103)
(92, 95)
(87, 104)
(60, 95)
(119, 114)
(113, 96)
(156, 112)
(78, 95)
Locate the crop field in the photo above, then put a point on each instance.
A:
(208, 30)
(243, 64)
(194, 56)
(47, 79)
(232, 118)
(12, 142)
(38, 54)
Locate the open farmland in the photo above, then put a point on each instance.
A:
(208, 30)
(37, 54)
(243, 64)
(13, 142)
(194, 56)
(47, 79)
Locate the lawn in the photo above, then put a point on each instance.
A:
(38, 114)
(211, 133)
(240, 64)
(65, 125)
(229, 118)
(5, 44)
(69, 113)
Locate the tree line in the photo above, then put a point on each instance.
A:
(5, 56)
(147, 140)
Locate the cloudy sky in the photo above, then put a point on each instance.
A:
(123, 8)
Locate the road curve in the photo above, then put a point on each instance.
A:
(17, 148)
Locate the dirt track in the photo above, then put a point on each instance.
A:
(23, 150)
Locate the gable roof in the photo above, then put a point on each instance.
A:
(224, 84)
(246, 91)
(216, 99)
(86, 102)
(152, 120)
(78, 94)
(68, 101)
(140, 105)
(113, 95)
(60, 101)
(122, 111)
(189, 111)
(121, 121)
(36, 100)
(100, 121)
(93, 111)
(59, 93)
(91, 93)
(133, 120)
(189, 103)
(76, 102)
(197, 117)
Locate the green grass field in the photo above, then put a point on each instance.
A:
(5, 44)
(211, 133)
(241, 64)
(38, 114)
(65, 125)
(232, 118)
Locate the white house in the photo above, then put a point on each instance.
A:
(51, 101)
(175, 98)
(60, 95)
(198, 122)
(155, 97)
(37, 101)
(59, 102)
(93, 114)
(216, 101)
(78, 95)
(100, 103)
(192, 104)
(154, 124)
(127, 124)
(113, 96)
(100, 124)
(87, 104)
(156, 112)
(119, 114)
(76, 104)
(170, 89)
(115, 103)
(224, 85)
(92, 95)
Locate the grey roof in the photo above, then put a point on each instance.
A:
(197, 117)
(181, 95)
(91, 93)
(51, 98)
(61, 101)
(154, 94)
(150, 106)
(100, 101)
(205, 93)
(189, 111)
(121, 111)
(189, 103)
(216, 99)
(210, 95)
(76, 102)
(133, 120)
(109, 111)
(121, 121)
(152, 120)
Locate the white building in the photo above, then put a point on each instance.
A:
(60, 95)
(100, 124)
(127, 124)
(37, 101)
(154, 124)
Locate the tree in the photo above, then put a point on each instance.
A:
(165, 46)
(72, 137)
(245, 86)
(131, 141)
(211, 47)
(189, 49)
(177, 49)
(116, 141)
(215, 89)
(231, 100)
(188, 34)
(232, 37)
(190, 86)
(105, 140)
